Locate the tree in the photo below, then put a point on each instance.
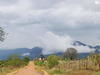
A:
(2, 34)
(11, 57)
(26, 59)
(42, 56)
(52, 61)
(70, 53)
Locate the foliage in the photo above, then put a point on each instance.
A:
(37, 62)
(70, 53)
(39, 70)
(97, 73)
(2, 34)
(88, 66)
(42, 56)
(11, 57)
(14, 63)
(56, 71)
(52, 61)
(91, 54)
(26, 59)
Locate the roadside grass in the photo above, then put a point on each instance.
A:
(39, 70)
(97, 73)
(8, 66)
(63, 68)
(80, 72)
(55, 71)
(8, 70)
(84, 66)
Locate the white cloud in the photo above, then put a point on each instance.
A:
(83, 49)
(49, 41)
(54, 43)
(26, 54)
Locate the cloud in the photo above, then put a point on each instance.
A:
(65, 13)
(83, 49)
(50, 42)
(28, 23)
(26, 54)
(54, 43)
(22, 36)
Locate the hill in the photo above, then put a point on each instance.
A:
(37, 51)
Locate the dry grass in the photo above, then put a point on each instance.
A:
(39, 70)
(80, 72)
(75, 67)
(7, 70)
(89, 66)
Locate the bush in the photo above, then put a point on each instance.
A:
(11, 57)
(26, 59)
(56, 71)
(16, 62)
(12, 63)
(52, 61)
(37, 62)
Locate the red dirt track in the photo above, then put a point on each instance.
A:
(28, 70)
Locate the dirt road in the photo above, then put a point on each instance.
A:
(28, 70)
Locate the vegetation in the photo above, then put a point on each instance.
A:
(12, 63)
(52, 61)
(39, 63)
(39, 70)
(70, 53)
(11, 57)
(2, 34)
(26, 59)
(84, 66)
(42, 56)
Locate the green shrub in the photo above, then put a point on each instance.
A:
(56, 71)
(11, 57)
(52, 61)
(26, 59)
(37, 62)
(13, 62)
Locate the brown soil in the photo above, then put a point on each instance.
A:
(28, 70)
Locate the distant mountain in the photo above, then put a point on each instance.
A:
(37, 51)
(34, 52)
(78, 43)
(97, 47)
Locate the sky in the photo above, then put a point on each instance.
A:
(51, 24)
